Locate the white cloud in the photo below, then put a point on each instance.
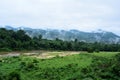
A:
(86, 15)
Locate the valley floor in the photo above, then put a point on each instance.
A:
(49, 54)
(59, 65)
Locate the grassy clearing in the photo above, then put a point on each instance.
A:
(60, 68)
(62, 61)
(105, 54)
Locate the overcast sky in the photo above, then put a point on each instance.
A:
(84, 15)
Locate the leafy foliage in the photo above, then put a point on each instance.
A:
(77, 67)
(19, 40)
(103, 69)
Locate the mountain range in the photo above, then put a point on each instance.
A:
(70, 35)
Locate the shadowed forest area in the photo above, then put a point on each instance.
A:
(18, 40)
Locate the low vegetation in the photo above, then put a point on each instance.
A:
(83, 66)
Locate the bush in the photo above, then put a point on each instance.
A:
(116, 68)
(97, 50)
(103, 69)
(90, 50)
(5, 49)
(14, 76)
(118, 57)
(29, 65)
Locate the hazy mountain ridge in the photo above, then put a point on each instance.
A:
(68, 35)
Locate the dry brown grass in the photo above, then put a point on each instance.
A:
(42, 54)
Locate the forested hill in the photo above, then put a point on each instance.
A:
(71, 35)
(19, 40)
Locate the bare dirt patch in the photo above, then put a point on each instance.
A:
(41, 54)
(48, 55)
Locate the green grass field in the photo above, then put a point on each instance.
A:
(56, 68)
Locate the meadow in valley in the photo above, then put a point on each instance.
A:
(70, 66)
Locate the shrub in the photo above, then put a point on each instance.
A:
(118, 57)
(29, 66)
(5, 49)
(35, 61)
(90, 50)
(103, 68)
(97, 50)
(14, 76)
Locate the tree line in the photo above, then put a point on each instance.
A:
(18, 40)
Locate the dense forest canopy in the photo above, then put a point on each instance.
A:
(19, 40)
